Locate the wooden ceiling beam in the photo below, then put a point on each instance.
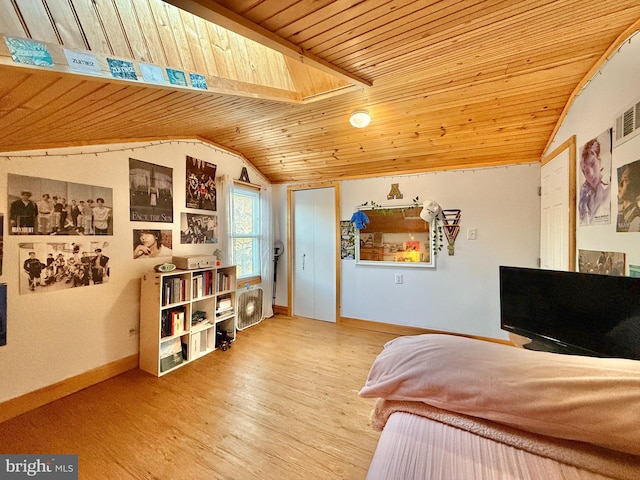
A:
(225, 18)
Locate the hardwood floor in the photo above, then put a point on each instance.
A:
(280, 404)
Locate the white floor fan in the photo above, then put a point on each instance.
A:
(249, 307)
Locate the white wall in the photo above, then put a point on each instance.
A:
(609, 92)
(56, 335)
(462, 293)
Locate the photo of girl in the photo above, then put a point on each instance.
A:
(152, 243)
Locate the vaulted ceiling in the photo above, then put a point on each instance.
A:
(448, 84)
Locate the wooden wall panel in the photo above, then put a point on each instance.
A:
(180, 36)
(91, 26)
(131, 25)
(36, 18)
(222, 51)
(165, 32)
(66, 25)
(10, 23)
(110, 20)
(207, 46)
(149, 32)
(193, 41)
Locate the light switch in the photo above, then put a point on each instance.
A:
(471, 233)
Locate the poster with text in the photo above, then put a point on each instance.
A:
(51, 267)
(198, 228)
(594, 161)
(150, 192)
(200, 184)
(41, 206)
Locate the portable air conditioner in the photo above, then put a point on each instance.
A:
(249, 307)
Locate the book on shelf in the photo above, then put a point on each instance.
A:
(224, 306)
(170, 354)
(165, 324)
(202, 284)
(224, 282)
(174, 290)
(170, 347)
(178, 321)
(172, 322)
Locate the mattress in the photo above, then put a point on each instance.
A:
(413, 447)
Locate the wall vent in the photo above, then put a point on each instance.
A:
(627, 124)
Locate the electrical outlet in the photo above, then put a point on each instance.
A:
(398, 278)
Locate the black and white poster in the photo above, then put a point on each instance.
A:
(201, 184)
(40, 206)
(50, 267)
(150, 192)
(198, 228)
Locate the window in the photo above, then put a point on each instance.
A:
(245, 230)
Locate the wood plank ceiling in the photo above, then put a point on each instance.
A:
(449, 84)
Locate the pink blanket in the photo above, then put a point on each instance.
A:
(599, 460)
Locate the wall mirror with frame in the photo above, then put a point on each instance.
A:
(395, 236)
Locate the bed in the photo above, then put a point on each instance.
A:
(456, 408)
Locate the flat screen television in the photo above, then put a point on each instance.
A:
(569, 312)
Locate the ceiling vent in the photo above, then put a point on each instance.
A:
(627, 124)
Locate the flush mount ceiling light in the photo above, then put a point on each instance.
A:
(360, 118)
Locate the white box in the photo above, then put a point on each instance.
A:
(193, 262)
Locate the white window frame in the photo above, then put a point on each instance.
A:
(255, 234)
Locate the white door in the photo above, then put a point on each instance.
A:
(314, 254)
(555, 211)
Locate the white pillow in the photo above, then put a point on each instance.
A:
(594, 400)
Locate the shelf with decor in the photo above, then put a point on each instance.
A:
(180, 318)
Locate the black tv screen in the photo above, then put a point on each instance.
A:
(570, 312)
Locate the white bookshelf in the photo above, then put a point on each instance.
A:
(171, 305)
